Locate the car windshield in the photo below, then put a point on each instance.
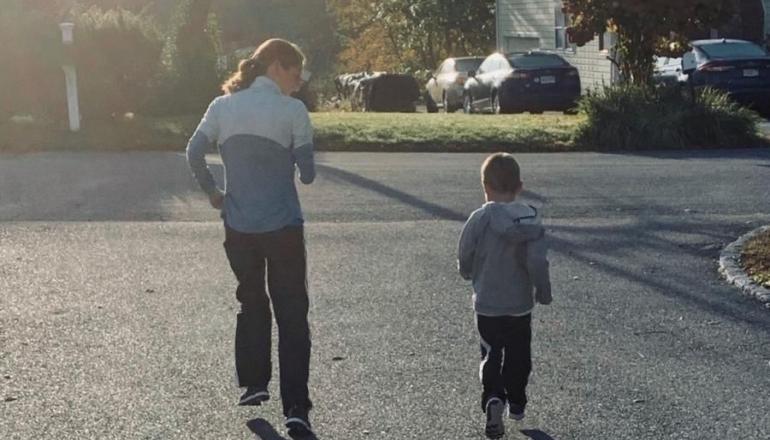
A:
(468, 64)
(732, 50)
(529, 61)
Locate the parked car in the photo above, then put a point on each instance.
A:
(385, 92)
(740, 68)
(668, 71)
(445, 87)
(532, 81)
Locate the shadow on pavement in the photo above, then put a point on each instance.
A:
(536, 434)
(372, 185)
(408, 199)
(264, 430)
(757, 152)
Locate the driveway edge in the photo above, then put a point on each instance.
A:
(730, 268)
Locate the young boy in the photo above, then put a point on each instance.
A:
(502, 249)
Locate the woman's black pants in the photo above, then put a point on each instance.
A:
(279, 255)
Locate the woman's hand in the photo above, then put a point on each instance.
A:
(217, 200)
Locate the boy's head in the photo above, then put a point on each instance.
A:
(500, 177)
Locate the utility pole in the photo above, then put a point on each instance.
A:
(70, 76)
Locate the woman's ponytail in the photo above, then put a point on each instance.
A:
(275, 49)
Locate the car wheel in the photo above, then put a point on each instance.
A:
(430, 104)
(467, 104)
(445, 104)
(496, 103)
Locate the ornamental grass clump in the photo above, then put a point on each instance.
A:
(642, 117)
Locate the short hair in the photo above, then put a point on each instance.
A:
(500, 172)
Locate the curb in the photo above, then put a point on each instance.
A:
(730, 268)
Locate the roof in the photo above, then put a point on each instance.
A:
(717, 41)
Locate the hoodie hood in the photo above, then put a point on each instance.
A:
(516, 222)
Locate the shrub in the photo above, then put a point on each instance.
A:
(117, 54)
(637, 117)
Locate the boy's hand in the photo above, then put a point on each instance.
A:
(543, 298)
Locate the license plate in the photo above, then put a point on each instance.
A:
(547, 79)
(750, 72)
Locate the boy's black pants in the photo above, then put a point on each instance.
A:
(281, 256)
(506, 359)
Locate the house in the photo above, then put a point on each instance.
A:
(541, 24)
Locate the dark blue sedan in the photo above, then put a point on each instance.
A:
(739, 68)
(528, 81)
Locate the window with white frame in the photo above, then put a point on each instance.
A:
(607, 40)
(560, 29)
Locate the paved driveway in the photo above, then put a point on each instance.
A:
(117, 307)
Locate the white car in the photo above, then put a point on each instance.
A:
(445, 86)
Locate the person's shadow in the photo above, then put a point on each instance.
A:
(265, 431)
(536, 434)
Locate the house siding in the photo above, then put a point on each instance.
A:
(529, 24)
(766, 4)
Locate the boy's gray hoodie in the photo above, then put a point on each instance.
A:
(502, 249)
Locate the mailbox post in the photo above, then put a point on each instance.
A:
(70, 78)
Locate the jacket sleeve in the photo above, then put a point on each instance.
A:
(302, 144)
(538, 269)
(205, 135)
(466, 251)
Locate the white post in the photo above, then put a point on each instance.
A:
(70, 78)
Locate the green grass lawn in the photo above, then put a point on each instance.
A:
(338, 131)
(443, 132)
(334, 131)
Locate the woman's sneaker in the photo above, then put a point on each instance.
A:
(515, 412)
(254, 396)
(495, 427)
(298, 424)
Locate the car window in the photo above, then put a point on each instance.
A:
(440, 68)
(486, 66)
(732, 50)
(467, 65)
(528, 61)
(498, 62)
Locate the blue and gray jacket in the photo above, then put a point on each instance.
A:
(263, 136)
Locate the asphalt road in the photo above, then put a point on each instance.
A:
(117, 308)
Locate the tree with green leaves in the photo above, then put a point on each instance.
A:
(644, 28)
(189, 78)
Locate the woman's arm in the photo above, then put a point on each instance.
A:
(302, 143)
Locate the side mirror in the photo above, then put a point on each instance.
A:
(471, 74)
(688, 62)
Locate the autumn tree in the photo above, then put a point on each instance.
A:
(644, 28)
(411, 34)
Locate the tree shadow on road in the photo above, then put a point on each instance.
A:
(264, 430)
(408, 199)
(641, 253)
(634, 252)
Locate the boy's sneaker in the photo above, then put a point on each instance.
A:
(495, 427)
(515, 412)
(298, 424)
(254, 396)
